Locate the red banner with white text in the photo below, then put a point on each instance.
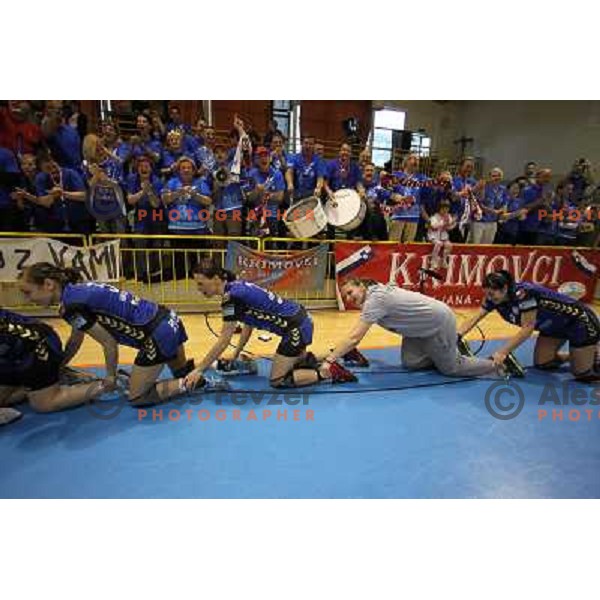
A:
(568, 270)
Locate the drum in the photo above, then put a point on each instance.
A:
(306, 218)
(345, 210)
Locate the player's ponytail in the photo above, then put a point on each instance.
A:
(212, 270)
(39, 272)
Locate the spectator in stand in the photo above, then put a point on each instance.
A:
(144, 191)
(205, 156)
(267, 196)
(438, 227)
(253, 135)
(306, 172)
(172, 152)
(374, 226)
(279, 157)
(343, 172)
(11, 210)
(112, 142)
(462, 184)
(25, 193)
(405, 216)
(433, 195)
(547, 227)
(581, 179)
(143, 143)
(272, 131)
(320, 150)
(465, 178)
(588, 233)
(159, 131)
(62, 140)
(195, 141)
(364, 159)
(106, 196)
(228, 196)
(110, 158)
(528, 177)
(493, 199)
(176, 121)
(187, 199)
(76, 119)
(17, 132)
(234, 138)
(508, 222)
(104, 174)
(535, 198)
(571, 219)
(62, 200)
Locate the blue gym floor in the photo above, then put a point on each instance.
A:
(367, 440)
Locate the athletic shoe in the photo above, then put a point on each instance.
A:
(236, 367)
(214, 384)
(354, 358)
(592, 377)
(513, 366)
(463, 347)
(9, 415)
(340, 374)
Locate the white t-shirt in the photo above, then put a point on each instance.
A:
(408, 313)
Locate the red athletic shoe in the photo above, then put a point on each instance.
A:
(340, 374)
(354, 358)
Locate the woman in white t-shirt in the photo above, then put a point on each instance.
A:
(427, 327)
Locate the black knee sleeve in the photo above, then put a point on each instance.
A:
(150, 398)
(286, 381)
(308, 362)
(185, 370)
(551, 365)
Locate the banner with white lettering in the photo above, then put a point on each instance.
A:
(96, 263)
(293, 272)
(572, 271)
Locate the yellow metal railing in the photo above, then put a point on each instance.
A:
(158, 267)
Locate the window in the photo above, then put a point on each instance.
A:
(281, 111)
(287, 115)
(294, 144)
(385, 122)
(421, 143)
(105, 110)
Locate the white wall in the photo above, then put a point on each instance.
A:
(552, 133)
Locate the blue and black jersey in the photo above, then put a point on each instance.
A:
(557, 315)
(260, 308)
(250, 304)
(131, 321)
(30, 352)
